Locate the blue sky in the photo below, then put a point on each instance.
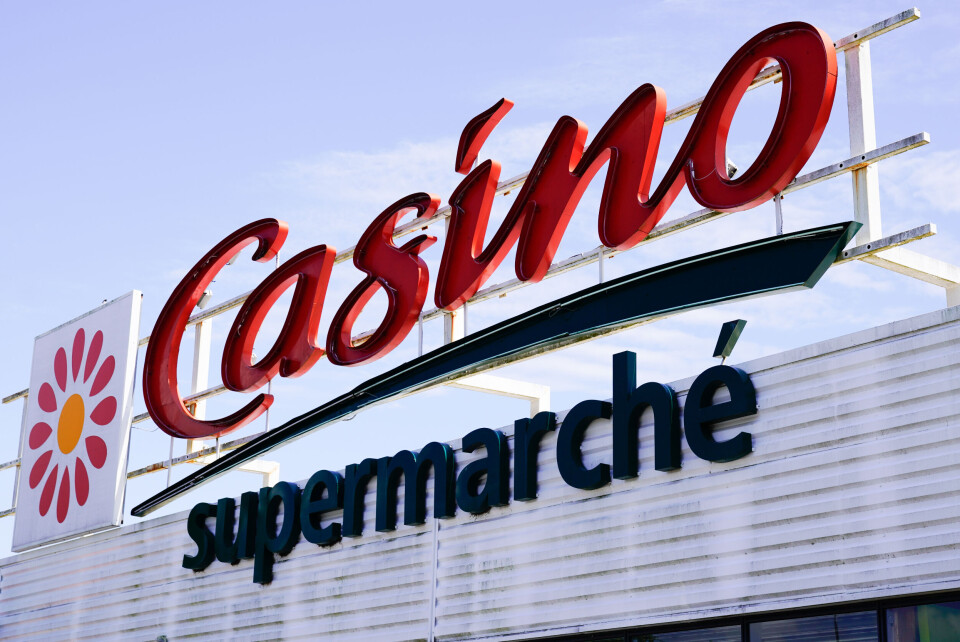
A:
(135, 136)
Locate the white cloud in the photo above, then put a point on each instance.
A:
(374, 178)
(924, 180)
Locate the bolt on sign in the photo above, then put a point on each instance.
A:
(76, 428)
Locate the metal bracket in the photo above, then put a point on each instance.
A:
(455, 328)
(881, 246)
(538, 395)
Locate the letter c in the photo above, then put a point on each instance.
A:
(160, 389)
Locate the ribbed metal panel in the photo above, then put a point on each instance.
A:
(129, 585)
(850, 493)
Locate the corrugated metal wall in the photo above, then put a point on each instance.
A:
(850, 493)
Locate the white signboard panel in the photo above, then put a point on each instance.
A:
(77, 425)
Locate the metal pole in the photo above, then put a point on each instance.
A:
(863, 138)
(170, 463)
(202, 339)
(779, 212)
(420, 333)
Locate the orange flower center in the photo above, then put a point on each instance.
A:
(71, 424)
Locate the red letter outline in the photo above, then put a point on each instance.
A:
(629, 140)
(297, 348)
(160, 389)
(399, 271)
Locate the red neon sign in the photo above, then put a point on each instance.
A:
(627, 143)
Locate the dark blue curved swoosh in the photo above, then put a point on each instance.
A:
(769, 265)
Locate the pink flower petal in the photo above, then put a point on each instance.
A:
(39, 467)
(103, 376)
(97, 450)
(105, 411)
(63, 499)
(78, 341)
(93, 354)
(46, 399)
(47, 495)
(39, 434)
(83, 483)
(60, 368)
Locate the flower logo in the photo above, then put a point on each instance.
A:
(66, 406)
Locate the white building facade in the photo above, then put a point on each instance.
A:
(842, 523)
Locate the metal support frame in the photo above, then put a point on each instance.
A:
(203, 334)
(778, 212)
(538, 395)
(454, 325)
(922, 267)
(16, 478)
(863, 138)
(866, 180)
(870, 247)
(455, 328)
